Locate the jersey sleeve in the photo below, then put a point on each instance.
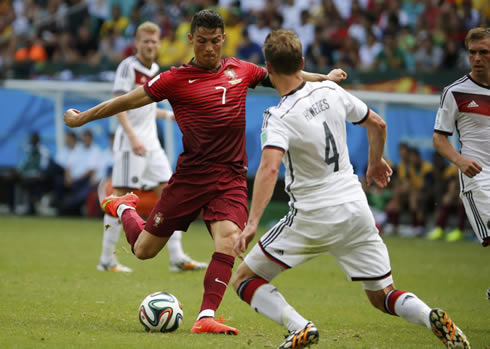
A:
(274, 132)
(356, 110)
(124, 80)
(446, 114)
(159, 87)
(255, 74)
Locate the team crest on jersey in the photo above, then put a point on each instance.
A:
(231, 74)
(157, 219)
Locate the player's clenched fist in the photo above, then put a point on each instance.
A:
(337, 75)
(72, 118)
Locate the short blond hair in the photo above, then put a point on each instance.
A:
(147, 27)
(284, 52)
(476, 34)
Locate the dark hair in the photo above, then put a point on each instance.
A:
(283, 50)
(207, 19)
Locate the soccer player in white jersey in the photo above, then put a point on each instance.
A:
(139, 160)
(329, 212)
(465, 105)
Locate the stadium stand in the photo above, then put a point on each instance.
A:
(43, 38)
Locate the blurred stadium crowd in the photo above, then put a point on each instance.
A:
(365, 35)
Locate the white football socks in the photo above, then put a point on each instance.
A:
(121, 208)
(112, 231)
(175, 250)
(206, 313)
(269, 302)
(409, 307)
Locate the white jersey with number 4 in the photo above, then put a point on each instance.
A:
(465, 105)
(309, 125)
(130, 74)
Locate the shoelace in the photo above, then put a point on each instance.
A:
(221, 319)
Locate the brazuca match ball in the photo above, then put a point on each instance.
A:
(160, 312)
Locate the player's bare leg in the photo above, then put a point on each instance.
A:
(409, 307)
(268, 301)
(216, 279)
(148, 245)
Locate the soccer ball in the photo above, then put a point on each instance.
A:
(160, 312)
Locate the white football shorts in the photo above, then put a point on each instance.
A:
(345, 231)
(477, 207)
(140, 172)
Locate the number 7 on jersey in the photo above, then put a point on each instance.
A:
(224, 93)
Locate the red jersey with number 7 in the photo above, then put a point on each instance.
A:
(209, 107)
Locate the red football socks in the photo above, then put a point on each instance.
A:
(216, 280)
(133, 225)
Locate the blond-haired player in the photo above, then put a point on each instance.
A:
(465, 106)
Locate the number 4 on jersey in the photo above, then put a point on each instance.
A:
(330, 143)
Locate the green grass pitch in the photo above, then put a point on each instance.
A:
(51, 295)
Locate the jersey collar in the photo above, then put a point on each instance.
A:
(225, 62)
(194, 64)
(292, 92)
(469, 76)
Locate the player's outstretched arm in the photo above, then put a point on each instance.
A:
(469, 167)
(336, 75)
(265, 181)
(378, 170)
(134, 99)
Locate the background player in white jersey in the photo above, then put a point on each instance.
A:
(465, 105)
(328, 209)
(139, 160)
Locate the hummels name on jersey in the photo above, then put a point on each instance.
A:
(316, 109)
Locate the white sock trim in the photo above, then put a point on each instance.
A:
(122, 208)
(206, 313)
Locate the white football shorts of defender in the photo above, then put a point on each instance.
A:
(329, 210)
(352, 239)
(140, 172)
(478, 211)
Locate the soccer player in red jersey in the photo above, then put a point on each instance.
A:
(208, 99)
